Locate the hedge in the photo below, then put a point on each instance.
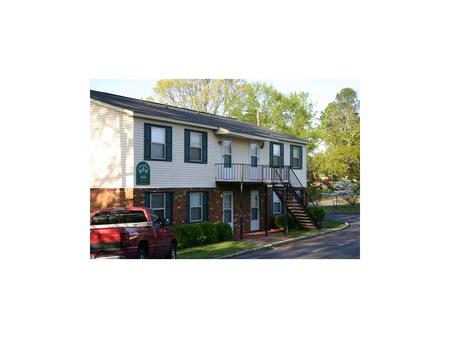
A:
(189, 235)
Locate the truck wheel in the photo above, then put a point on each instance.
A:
(141, 254)
(173, 251)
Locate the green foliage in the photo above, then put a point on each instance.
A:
(224, 232)
(318, 215)
(339, 131)
(190, 235)
(210, 232)
(279, 222)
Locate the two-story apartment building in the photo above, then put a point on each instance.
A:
(191, 166)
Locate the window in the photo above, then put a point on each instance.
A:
(155, 218)
(100, 218)
(253, 155)
(195, 147)
(227, 150)
(254, 206)
(158, 143)
(296, 157)
(228, 207)
(157, 204)
(195, 207)
(132, 217)
(160, 204)
(276, 204)
(276, 154)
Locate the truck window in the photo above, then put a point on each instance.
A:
(134, 216)
(100, 218)
(155, 218)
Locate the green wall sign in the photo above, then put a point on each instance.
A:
(142, 173)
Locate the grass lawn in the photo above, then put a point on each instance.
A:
(306, 232)
(216, 250)
(341, 208)
(225, 248)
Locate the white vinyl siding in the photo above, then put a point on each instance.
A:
(111, 148)
(117, 145)
(178, 174)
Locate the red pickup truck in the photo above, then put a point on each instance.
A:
(133, 232)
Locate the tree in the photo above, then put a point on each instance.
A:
(206, 95)
(340, 119)
(340, 132)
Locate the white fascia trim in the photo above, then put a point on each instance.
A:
(226, 132)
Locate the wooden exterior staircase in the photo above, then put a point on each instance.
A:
(290, 191)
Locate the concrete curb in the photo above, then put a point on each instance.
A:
(285, 242)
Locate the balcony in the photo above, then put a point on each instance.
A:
(241, 172)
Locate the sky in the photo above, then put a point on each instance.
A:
(321, 92)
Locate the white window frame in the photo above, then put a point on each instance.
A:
(275, 196)
(274, 156)
(190, 207)
(299, 157)
(164, 202)
(164, 144)
(231, 207)
(201, 146)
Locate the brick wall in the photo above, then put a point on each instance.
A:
(111, 198)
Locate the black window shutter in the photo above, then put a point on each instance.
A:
(169, 144)
(281, 154)
(205, 206)
(204, 147)
(187, 142)
(147, 200)
(169, 203)
(147, 141)
(271, 155)
(301, 156)
(188, 206)
(291, 161)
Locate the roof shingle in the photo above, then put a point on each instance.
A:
(152, 109)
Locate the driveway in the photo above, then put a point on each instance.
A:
(342, 244)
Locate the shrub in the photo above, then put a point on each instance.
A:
(279, 222)
(224, 232)
(189, 235)
(318, 214)
(210, 232)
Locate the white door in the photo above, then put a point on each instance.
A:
(227, 147)
(255, 173)
(228, 208)
(254, 210)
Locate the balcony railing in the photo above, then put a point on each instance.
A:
(241, 172)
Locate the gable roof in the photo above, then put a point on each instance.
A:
(158, 110)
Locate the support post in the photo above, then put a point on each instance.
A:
(286, 227)
(242, 214)
(266, 213)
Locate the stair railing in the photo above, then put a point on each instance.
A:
(291, 188)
